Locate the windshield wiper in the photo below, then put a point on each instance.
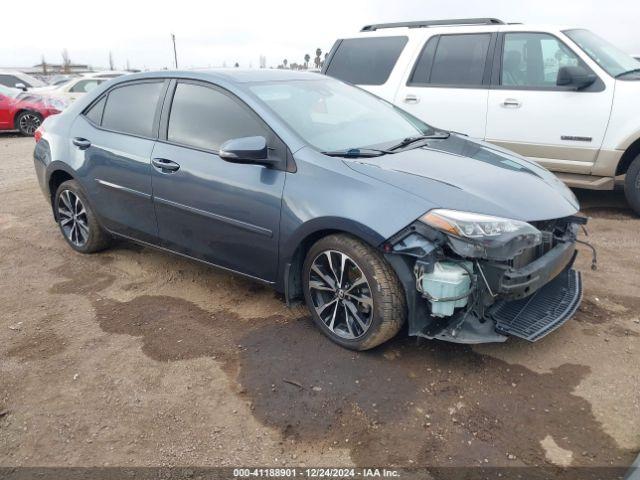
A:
(357, 153)
(635, 70)
(409, 140)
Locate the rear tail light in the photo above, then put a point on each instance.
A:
(37, 135)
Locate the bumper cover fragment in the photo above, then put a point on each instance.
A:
(537, 315)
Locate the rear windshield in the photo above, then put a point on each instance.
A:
(365, 61)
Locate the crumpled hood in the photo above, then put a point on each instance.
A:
(469, 175)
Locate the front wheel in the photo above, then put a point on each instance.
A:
(632, 185)
(352, 292)
(28, 122)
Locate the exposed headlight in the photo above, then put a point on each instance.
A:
(476, 226)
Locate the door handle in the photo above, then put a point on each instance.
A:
(412, 99)
(81, 143)
(511, 103)
(164, 165)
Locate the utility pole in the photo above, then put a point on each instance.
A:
(175, 54)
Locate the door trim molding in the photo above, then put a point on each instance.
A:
(214, 216)
(115, 186)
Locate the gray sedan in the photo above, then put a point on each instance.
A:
(327, 193)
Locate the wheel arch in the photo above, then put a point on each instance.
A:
(630, 154)
(296, 248)
(59, 172)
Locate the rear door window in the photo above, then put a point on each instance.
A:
(95, 111)
(131, 108)
(452, 60)
(366, 61)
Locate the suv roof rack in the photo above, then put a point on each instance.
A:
(434, 23)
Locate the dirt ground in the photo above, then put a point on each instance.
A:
(133, 357)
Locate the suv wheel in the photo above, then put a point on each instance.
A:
(76, 219)
(352, 292)
(632, 185)
(28, 123)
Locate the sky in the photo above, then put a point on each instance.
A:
(216, 33)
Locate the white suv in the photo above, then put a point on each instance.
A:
(561, 96)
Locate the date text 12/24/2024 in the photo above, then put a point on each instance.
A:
(315, 472)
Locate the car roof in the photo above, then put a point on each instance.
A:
(421, 32)
(249, 75)
(229, 75)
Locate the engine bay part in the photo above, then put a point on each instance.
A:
(447, 286)
(476, 290)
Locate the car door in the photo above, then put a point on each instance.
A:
(449, 84)
(112, 143)
(559, 127)
(227, 214)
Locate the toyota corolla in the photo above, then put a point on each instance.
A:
(327, 193)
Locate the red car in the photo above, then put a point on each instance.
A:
(24, 111)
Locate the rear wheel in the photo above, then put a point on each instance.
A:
(28, 122)
(632, 185)
(77, 222)
(353, 294)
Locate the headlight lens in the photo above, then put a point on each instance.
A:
(476, 226)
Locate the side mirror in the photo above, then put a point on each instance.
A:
(21, 86)
(576, 77)
(252, 150)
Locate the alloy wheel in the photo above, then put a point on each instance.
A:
(72, 217)
(341, 294)
(29, 123)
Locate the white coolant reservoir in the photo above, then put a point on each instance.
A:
(448, 279)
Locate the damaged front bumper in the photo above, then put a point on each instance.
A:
(528, 295)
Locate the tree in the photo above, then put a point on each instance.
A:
(317, 60)
(284, 62)
(111, 66)
(44, 65)
(307, 57)
(236, 65)
(66, 61)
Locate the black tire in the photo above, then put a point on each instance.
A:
(27, 122)
(632, 185)
(93, 238)
(388, 309)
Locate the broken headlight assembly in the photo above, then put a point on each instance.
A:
(474, 235)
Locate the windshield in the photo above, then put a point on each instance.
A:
(608, 56)
(9, 92)
(331, 115)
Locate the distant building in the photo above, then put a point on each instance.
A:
(55, 68)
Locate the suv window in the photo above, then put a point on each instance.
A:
(203, 117)
(95, 112)
(532, 60)
(84, 86)
(131, 108)
(452, 60)
(366, 61)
